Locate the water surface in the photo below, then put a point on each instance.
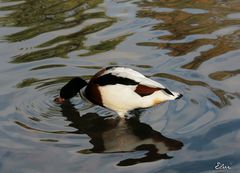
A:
(192, 47)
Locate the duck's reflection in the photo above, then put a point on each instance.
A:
(120, 135)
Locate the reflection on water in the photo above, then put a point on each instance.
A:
(45, 15)
(58, 16)
(223, 99)
(190, 46)
(191, 28)
(222, 75)
(120, 135)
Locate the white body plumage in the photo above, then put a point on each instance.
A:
(122, 97)
(120, 89)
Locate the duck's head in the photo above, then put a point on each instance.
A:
(71, 89)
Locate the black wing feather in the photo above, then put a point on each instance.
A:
(110, 79)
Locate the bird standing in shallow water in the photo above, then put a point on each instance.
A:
(120, 89)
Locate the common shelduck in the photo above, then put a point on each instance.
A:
(120, 89)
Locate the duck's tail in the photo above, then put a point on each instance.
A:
(176, 95)
(165, 95)
(171, 95)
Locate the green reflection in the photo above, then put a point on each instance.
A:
(90, 67)
(47, 15)
(39, 83)
(27, 82)
(142, 66)
(48, 66)
(105, 46)
(74, 42)
(65, 25)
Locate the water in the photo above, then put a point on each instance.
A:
(190, 46)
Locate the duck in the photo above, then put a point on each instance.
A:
(118, 88)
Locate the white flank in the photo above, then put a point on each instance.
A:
(122, 98)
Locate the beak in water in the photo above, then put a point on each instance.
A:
(59, 100)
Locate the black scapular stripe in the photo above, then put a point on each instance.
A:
(111, 67)
(110, 79)
(167, 91)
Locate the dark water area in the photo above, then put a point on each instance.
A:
(192, 47)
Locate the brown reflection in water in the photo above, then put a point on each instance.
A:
(182, 23)
(221, 46)
(110, 135)
(221, 94)
(178, 49)
(191, 18)
(222, 75)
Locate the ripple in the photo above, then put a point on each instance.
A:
(189, 46)
(41, 102)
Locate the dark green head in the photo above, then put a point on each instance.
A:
(72, 88)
